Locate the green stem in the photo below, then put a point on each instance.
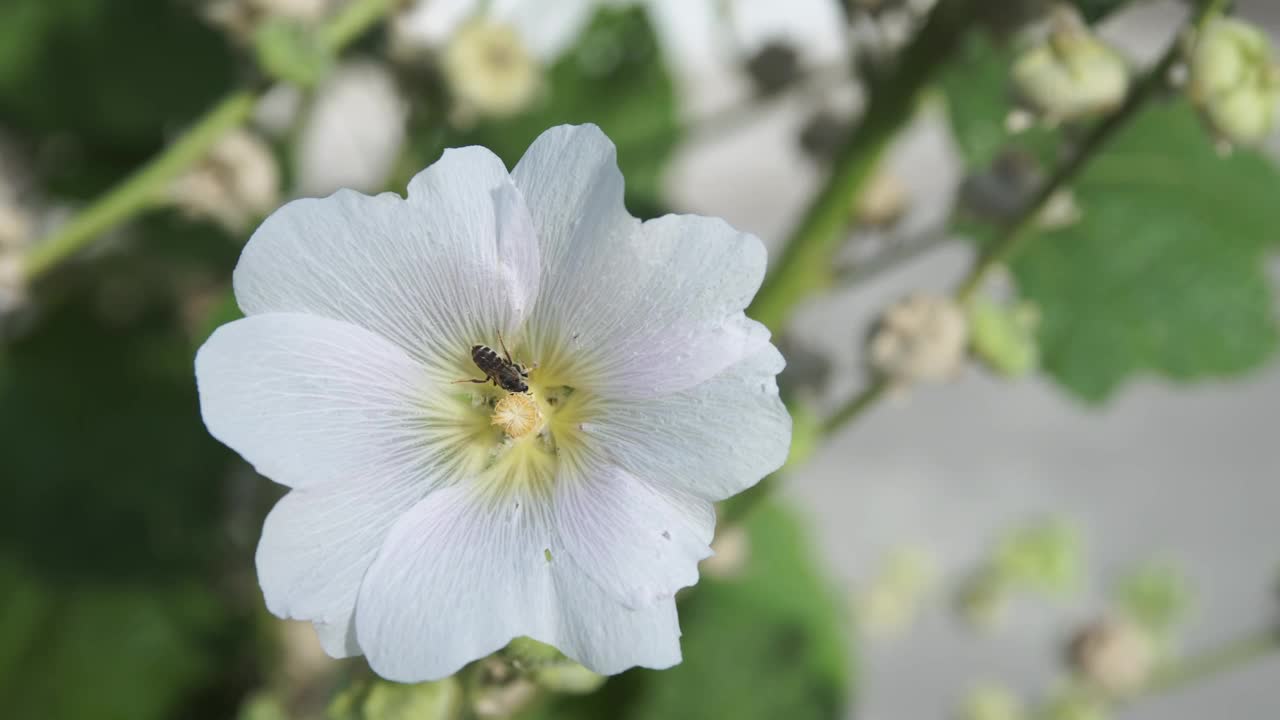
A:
(141, 190)
(1215, 661)
(145, 188)
(804, 267)
(1013, 235)
(352, 21)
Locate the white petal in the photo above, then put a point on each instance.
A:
(546, 28)
(642, 309)
(452, 266)
(339, 638)
(640, 543)
(353, 134)
(308, 400)
(431, 22)
(464, 572)
(713, 441)
(317, 544)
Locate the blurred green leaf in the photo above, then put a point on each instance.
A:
(114, 495)
(107, 470)
(1164, 272)
(109, 80)
(770, 643)
(614, 77)
(979, 98)
(109, 651)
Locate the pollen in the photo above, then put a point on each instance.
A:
(517, 414)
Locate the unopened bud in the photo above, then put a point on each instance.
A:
(1071, 74)
(237, 182)
(1114, 655)
(922, 338)
(1234, 80)
(1004, 337)
(992, 702)
(382, 700)
(490, 71)
(882, 202)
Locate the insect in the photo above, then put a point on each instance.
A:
(501, 370)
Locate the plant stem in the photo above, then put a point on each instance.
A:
(141, 190)
(804, 267)
(145, 187)
(1215, 661)
(1011, 237)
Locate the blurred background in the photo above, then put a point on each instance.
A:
(1086, 499)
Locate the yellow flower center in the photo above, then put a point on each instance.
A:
(511, 440)
(517, 414)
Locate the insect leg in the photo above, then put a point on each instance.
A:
(505, 351)
(480, 381)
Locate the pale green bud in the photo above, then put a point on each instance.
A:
(568, 677)
(382, 700)
(1004, 337)
(1234, 80)
(528, 653)
(992, 702)
(1073, 704)
(1071, 74)
(1044, 557)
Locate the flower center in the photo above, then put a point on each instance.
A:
(518, 439)
(517, 414)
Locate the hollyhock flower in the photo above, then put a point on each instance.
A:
(430, 522)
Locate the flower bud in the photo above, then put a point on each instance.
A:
(382, 700)
(1004, 337)
(1114, 655)
(568, 677)
(1071, 74)
(882, 202)
(1234, 80)
(236, 183)
(1072, 704)
(490, 71)
(992, 702)
(497, 690)
(922, 338)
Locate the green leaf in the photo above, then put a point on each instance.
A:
(116, 651)
(1164, 272)
(614, 77)
(770, 643)
(113, 495)
(979, 98)
(116, 74)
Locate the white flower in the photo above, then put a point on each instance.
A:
(354, 132)
(418, 532)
